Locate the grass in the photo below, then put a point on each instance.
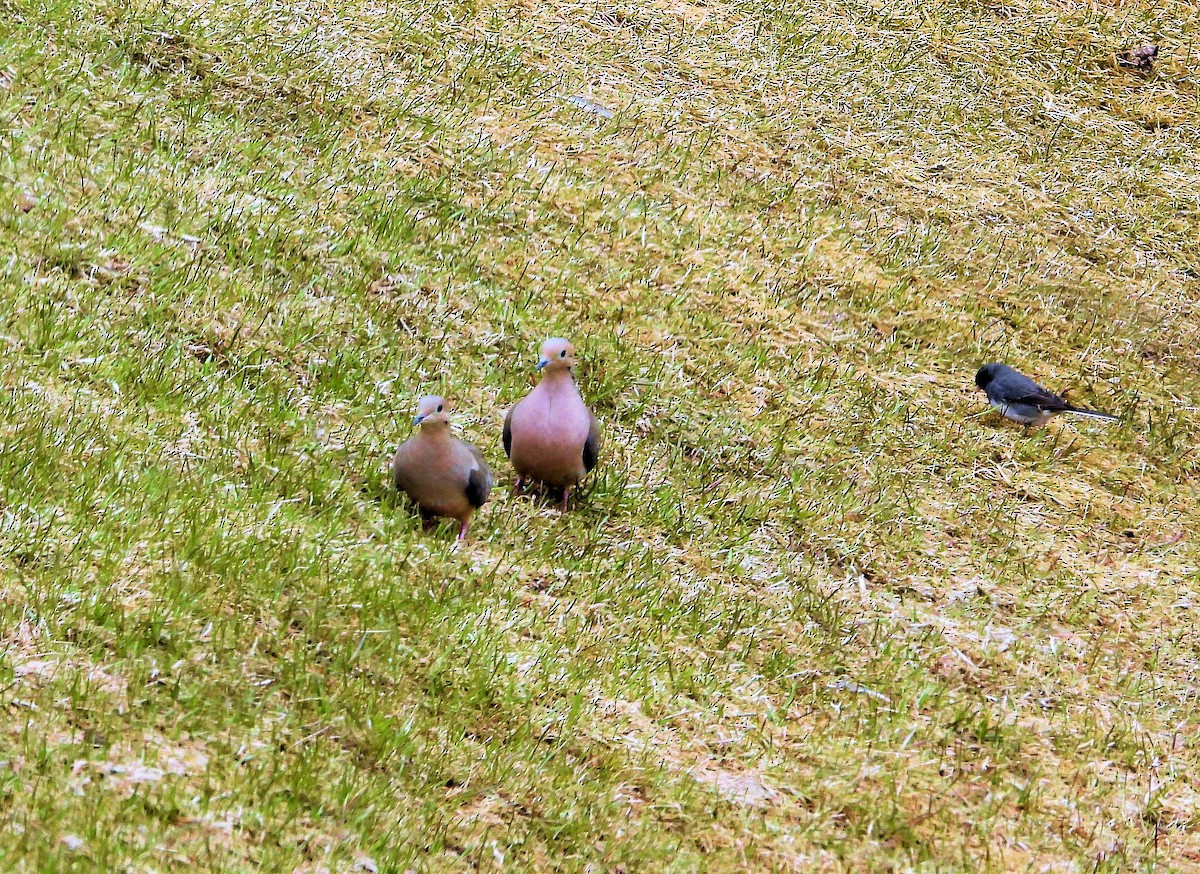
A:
(814, 613)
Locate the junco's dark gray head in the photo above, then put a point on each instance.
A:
(986, 374)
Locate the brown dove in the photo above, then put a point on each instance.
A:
(550, 435)
(442, 475)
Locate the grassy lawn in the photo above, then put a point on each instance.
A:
(819, 610)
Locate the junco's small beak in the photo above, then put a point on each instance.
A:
(543, 363)
(419, 419)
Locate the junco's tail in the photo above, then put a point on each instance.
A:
(1092, 414)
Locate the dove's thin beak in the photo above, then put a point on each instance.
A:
(419, 419)
(543, 363)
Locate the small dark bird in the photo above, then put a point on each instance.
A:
(1141, 58)
(1017, 397)
(442, 475)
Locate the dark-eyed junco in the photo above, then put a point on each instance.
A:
(1141, 58)
(1017, 397)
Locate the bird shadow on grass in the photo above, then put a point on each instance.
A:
(381, 491)
(392, 502)
(552, 496)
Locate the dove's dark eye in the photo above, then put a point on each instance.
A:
(439, 409)
(562, 354)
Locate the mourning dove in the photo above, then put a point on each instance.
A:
(442, 475)
(1017, 397)
(550, 435)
